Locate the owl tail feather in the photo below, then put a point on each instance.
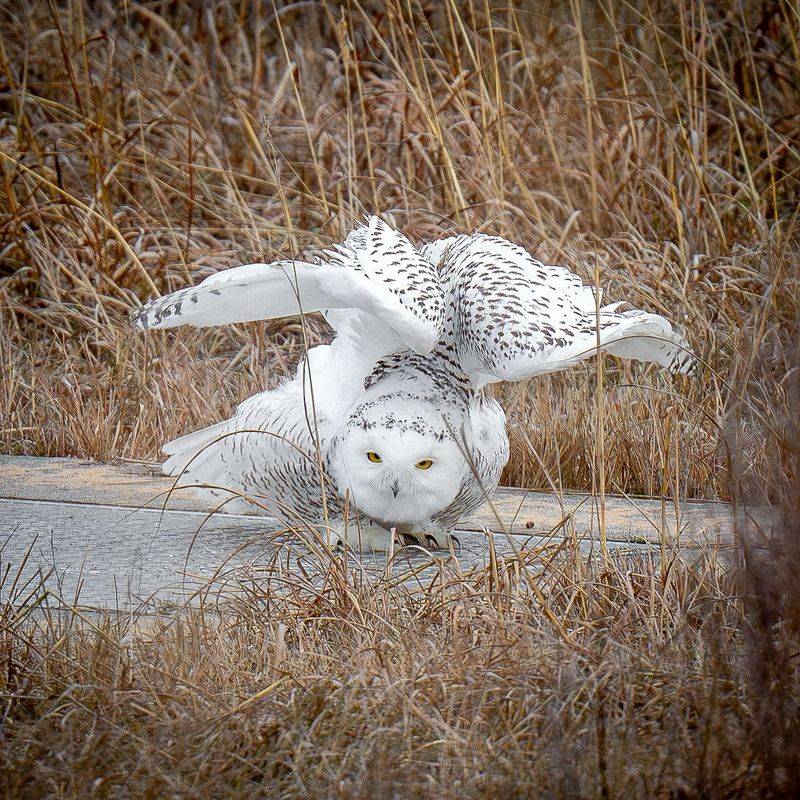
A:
(196, 460)
(191, 452)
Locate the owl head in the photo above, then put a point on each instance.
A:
(399, 460)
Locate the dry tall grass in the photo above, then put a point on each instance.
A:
(639, 688)
(549, 675)
(145, 145)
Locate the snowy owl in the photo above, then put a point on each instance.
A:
(388, 430)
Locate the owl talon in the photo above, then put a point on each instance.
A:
(436, 540)
(432, 543)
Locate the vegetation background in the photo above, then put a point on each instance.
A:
(652, 144)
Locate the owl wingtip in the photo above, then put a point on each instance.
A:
(138, 318)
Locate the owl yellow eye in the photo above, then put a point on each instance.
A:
(374, 457)
(426, 463)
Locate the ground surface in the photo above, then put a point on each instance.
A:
(115, 537)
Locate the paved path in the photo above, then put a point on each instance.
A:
(113, 536)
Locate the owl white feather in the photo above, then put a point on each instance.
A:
(388, 430)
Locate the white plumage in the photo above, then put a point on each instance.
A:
(388, 427)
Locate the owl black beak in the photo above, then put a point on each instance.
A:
(395, 487)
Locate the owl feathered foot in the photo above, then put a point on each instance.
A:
(369, 536)
(363, 536)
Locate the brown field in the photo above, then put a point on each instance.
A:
(657, 144)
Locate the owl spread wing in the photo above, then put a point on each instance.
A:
(375, 282)
(512, 317)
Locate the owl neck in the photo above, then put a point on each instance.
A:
(345, 364)
(436, 374)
